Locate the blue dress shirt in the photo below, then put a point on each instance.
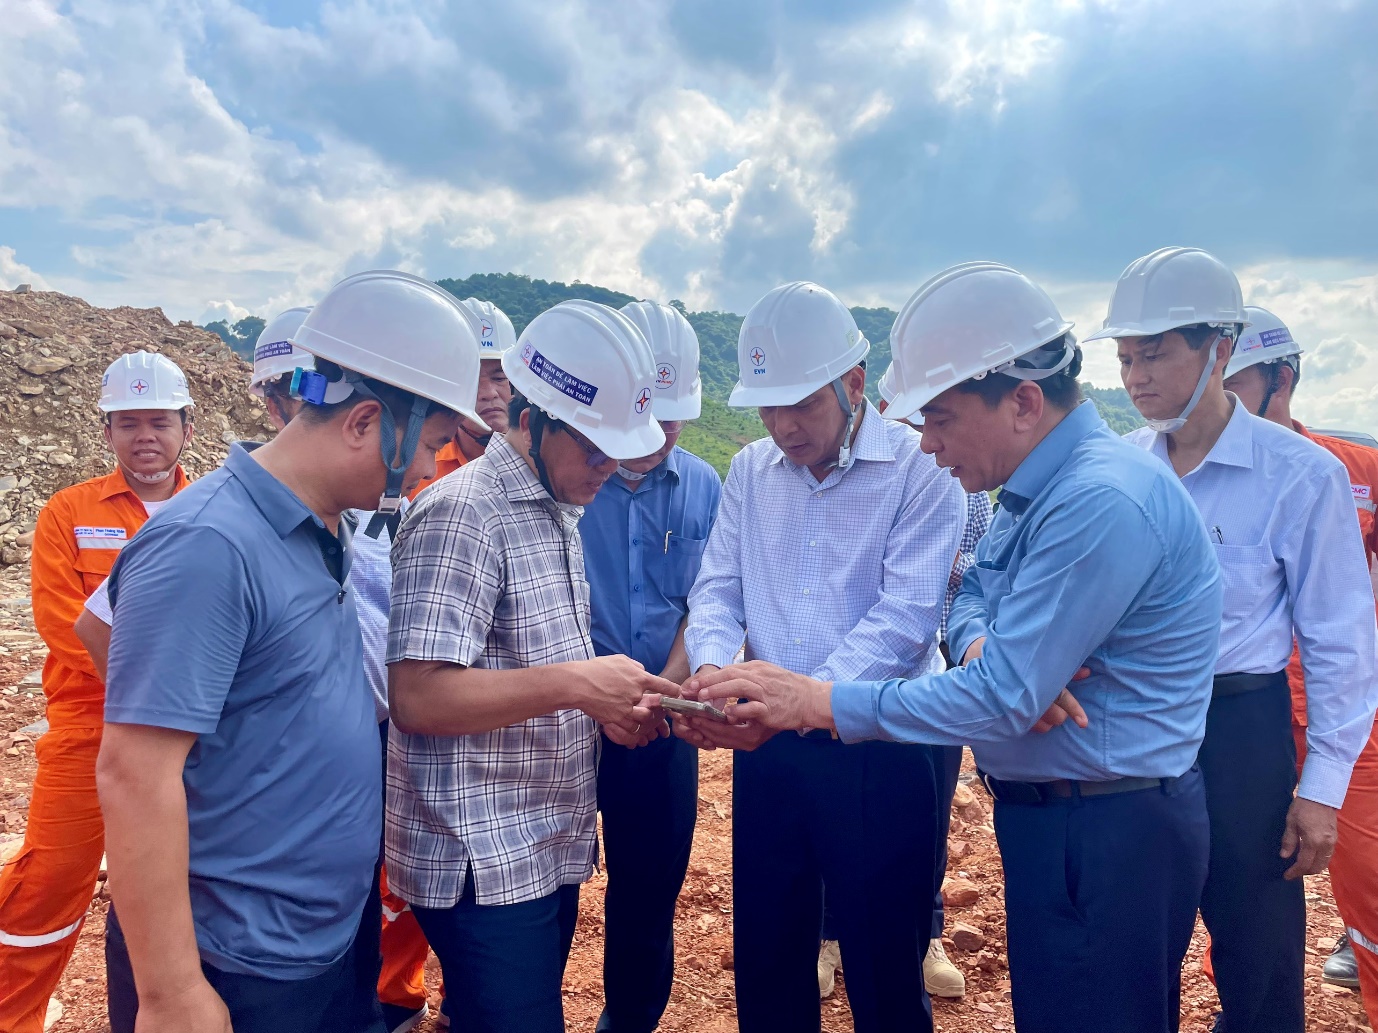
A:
(643, 544)
(1097, 558)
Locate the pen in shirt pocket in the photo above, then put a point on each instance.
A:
(666, 550)
(1215, 533)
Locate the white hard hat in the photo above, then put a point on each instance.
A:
(1267, 340)
(1167, 290)
(587, 365)
(403, 331)
(274, 352)
(796, 339)
(885, 386)
(678, 387)
(495, 333)
(968, 321)
(1172, 288)
(143, 380)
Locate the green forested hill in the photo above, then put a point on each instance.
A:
(721, 431)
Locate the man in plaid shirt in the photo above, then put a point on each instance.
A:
(496, 695)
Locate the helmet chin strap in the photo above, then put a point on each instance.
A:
(162, 475)
(844, 451)
(1273, 375)
(480, 439)
(537, 421)
(1174, 425)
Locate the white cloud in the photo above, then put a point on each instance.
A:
(14, 272)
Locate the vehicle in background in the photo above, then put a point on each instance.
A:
(1358, 437)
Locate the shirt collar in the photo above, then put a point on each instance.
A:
(1033, 474)
(279, 506)
(872, 441)
(114, 483)
(1235, 446)
(668, 468)
(519, 481)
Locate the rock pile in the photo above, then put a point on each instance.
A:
(53, 350)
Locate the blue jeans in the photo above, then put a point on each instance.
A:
(504, 963)
(649, 800)
(1100, 902)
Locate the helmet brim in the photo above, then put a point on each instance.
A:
(624, 445)
(678, 409)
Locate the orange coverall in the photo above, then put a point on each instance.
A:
(46, 889)
(1354, 868)
(402, 981)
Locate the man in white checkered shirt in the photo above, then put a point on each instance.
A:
(496, 695)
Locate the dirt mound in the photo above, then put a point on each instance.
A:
(53, 350)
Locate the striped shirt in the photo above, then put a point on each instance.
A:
(489, 572)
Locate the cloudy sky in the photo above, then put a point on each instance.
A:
(220, 158)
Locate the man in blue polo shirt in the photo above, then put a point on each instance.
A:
(239, 772)
(644, 535)
(1096, 560)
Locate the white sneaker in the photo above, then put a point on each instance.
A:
(941, 978)
(829, 965)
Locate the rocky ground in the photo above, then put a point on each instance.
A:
(702, 999)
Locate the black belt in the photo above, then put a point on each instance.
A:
(1065, 789)
(1236, 684)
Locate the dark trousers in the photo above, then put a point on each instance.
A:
(1256, 918)
(947, 768)
(810, 813)
(649, 800)
(325, 1003)
(503, 963)
(1100, 902)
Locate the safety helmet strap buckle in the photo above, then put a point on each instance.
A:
(844, 452)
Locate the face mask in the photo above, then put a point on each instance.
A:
(151, 478)
(629, 475)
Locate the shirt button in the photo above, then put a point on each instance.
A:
(812, 544)
(636, 541)
(806, 591)
(818, 494)
(797, 641)
(636, 588)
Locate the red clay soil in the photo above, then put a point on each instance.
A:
(702, 999)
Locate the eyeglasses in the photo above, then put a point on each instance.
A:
(593, 456)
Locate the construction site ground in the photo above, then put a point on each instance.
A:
(702, 999)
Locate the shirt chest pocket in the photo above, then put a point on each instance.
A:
(995, 585)
(675, 563)
(1245, 573)
(94, 566)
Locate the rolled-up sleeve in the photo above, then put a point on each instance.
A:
(184, 611)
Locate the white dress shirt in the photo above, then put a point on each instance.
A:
(843, 579)
(1280, 512)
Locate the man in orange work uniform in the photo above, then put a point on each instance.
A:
(46, 889)
(1263, 373)
(402, 984)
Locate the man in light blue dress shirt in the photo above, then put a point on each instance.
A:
(1280, 516)
(831, 555)
(1096, 566)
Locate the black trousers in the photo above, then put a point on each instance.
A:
(1256, 918)
(947, 769)
(860, 820)
(649, 801)
(327, 1003)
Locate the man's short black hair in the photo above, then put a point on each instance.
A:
(1061, 389)
(519, 405)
